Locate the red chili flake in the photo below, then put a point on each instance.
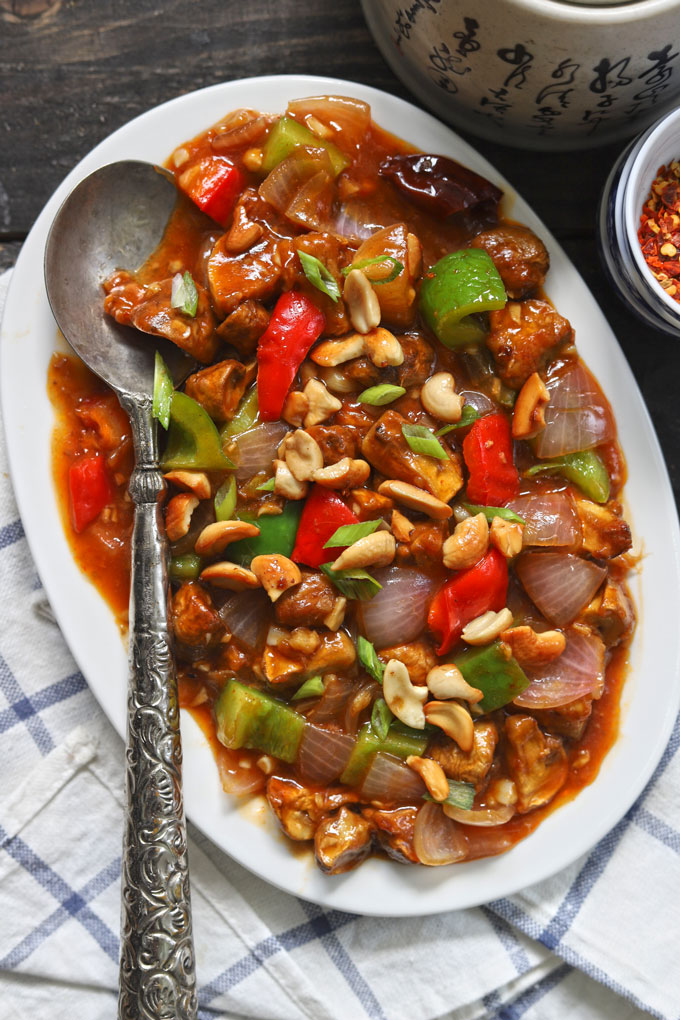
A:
(659, 232)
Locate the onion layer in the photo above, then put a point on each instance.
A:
(437, 839)
(389, 781)
(560, 584)
(349, 118)
(257, 448)
(480, 816)
(398, 613)
(577, 417)
(323, 754)
(247, 617)
(551, 519)
(301, 187)
(234, 777)
(577, 672)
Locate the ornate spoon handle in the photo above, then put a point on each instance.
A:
(157, 967)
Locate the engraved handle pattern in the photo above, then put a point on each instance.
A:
(157, 967)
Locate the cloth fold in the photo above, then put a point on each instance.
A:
(586, 943)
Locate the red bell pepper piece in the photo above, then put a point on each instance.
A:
(214, 184)
(466, 596)
(90, 490)
(322, 515)
(487, 449)
(295, 324)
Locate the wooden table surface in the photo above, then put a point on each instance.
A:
(72, 71)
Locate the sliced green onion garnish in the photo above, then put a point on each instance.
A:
(225, 500)
(245, 417)
(423, 440)
(467, 417)
(461, 795)
(311, 688)
(350, 533)
(185, 568)
(381, 718)
(368, 657)
(162, 391)
(267, 486)
(184, 294)
(319, 276)
(385, 393)
(397, 267)
(353, 584)
(494, 511)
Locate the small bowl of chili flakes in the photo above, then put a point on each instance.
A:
(639, 225)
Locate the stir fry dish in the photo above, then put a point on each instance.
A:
(398, 554)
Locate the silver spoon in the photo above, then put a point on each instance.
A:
(111, 220)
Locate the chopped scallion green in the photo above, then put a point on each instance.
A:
(162, 391)
(461, 795)
(319, 276)
(381, 719)
(353, 584)
(184, 294)
(225, 500)
(397, 267)
(423, 440)
(267, 486)
(311, 688)
(368, 657)
(347, 534)
(385, 393)
(467, 417)
(494, 511)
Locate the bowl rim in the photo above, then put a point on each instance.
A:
(578, 11)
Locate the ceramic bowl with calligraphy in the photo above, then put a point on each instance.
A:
(539, 74)
(623, 197)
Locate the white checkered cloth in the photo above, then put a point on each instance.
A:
(597, 940)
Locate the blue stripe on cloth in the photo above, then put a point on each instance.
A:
(34, 724)
(106, 877)
(26, 707)
(658, 828)
(72, 902)
(326, 926)
(508, 940)
(11, 533)
(515, 1010)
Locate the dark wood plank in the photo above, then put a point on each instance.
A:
(9, 252)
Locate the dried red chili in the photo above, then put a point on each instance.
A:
(659, 232)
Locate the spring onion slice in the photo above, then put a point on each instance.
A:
(467, 417)
(267, 486)
(162, 391)
(381, 719)
(494, 511)
(184, 294)
(397, 267)
(368, 657)
(311, 688)
(385, 393)
(423, 440)
(225, 500)
(461, 795)
(185, 568)
(353, 584)
(347, 534)
(319, 276)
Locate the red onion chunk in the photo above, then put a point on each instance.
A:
(338, 691)
(560, 584)
(550, 517)
(236, 778)
(437, 839)
(247, 616)
(577, 672)
(349, 118)
(578, 416)
(301, 187)
(389, 781)
(481, 403)
(354, 221)
(257, 448)
(323, 754)
(398, 613)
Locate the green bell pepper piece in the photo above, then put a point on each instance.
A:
(193, 441)
(400, 741)
(185, 568)
(455, 290)
(493, 671)
(288, 135)
(163, 390)
(245, 417)
(277, 534)
(250, 718)
(585, 469)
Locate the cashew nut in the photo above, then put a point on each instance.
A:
(295, 407)
(376, 550)
(404, 699)
(344, 474)
(361, 302)
(321, 405)
(467, 544)
(402, 528)
(330, 353)
(276, 574)
(415, 498)
(487, 627)
(534, 649)
(304, 640)
(216, 537)
(528, 417)
(229, 575)
(446, 681)
(414, 253)
(383, 348)
(454, 720)
(337, 380)
(303, 455)
(190, 481)
(178, 515)
(503, 791)
(432, 774)
(285, 482)
(506, 536)
(439, 398)
(336, 615)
